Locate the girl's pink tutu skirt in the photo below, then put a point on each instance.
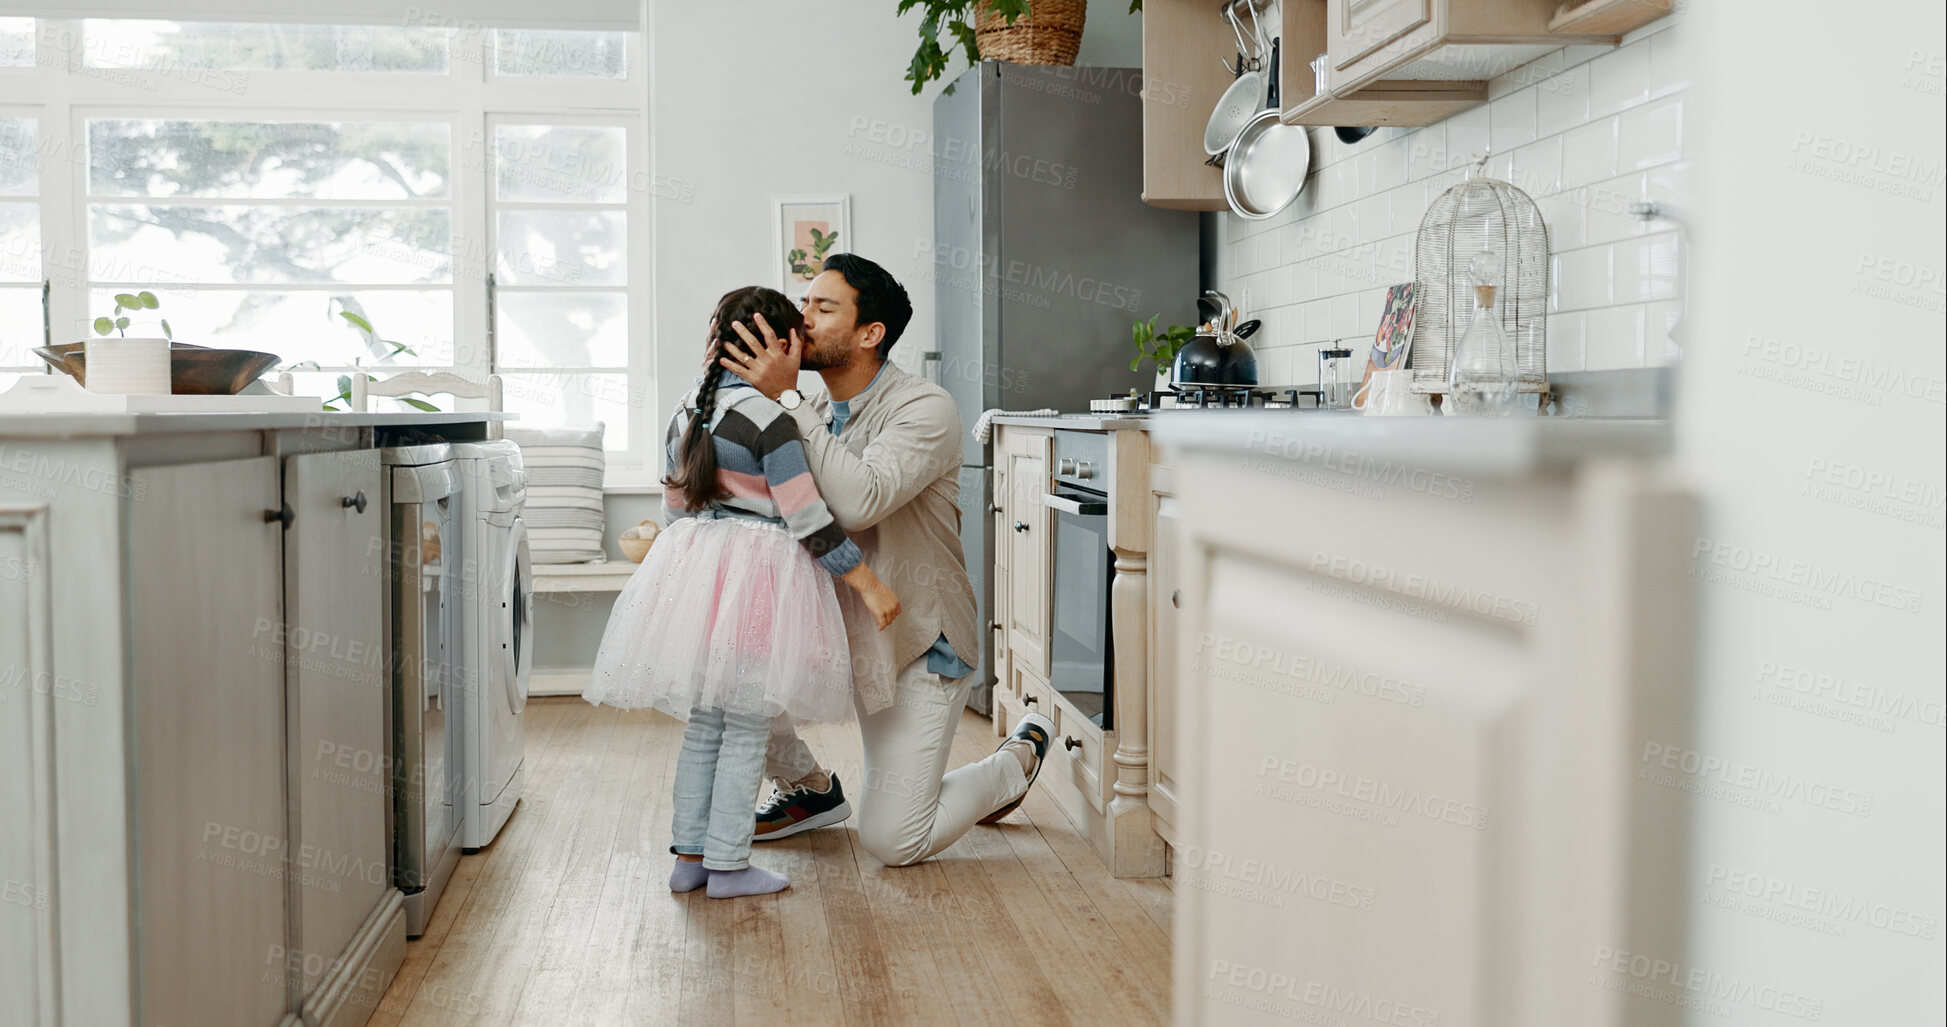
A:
(726, 613)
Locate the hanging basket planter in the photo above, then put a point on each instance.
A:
(1050, 33)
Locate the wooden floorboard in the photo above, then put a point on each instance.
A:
(567, 917)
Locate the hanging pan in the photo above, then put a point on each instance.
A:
(1266, 167)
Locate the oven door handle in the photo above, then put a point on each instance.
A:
(1083, 508)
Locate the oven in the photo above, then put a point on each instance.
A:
(1081, 644)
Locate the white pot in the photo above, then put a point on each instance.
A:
(127, 367)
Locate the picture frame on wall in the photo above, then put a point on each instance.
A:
(804, 230)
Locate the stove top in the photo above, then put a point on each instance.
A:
(1209, 399)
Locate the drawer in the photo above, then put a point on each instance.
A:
(1036, 695)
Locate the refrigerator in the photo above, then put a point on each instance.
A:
(1044, 256)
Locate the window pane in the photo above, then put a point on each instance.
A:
(574, 399)
(20, 242)
(16, 42)
(562, 163)
(19, 171)
(552, 329)
(20, 327)
(561, 247)
(269, 160)
(306, 325)
(183, 49)
(226, 244)
(559, 52)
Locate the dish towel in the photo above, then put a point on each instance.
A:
(984, 428)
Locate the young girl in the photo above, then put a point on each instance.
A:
(732, 621)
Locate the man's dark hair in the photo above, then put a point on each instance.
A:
(881, 297)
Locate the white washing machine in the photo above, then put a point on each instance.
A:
(496, 641)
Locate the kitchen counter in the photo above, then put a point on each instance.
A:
(1505, 447)
(1123, 421)
(83, 424)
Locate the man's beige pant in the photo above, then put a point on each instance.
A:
(909, 807)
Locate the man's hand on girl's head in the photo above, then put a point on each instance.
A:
(768, 363)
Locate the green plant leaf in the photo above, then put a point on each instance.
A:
(345, 386)
(103, 326)
(166, 333)
(128, 301)
(121, 322)
(1135, 6)
(149, 302)
(418, 404)
(359, 322)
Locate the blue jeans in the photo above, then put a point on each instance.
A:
(717, 775)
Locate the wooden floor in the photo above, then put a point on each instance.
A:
(567, 918)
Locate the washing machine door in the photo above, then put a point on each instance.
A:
(516, 620)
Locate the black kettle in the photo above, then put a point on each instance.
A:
(1217, 360)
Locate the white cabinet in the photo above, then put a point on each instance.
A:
(334, 647)
(207, 684)
(1422, 692)
(1165, 632)
(194, 757)
(1027, 546)
(1099, 776)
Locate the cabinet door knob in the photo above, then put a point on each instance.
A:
(283, 515)
(1020, 525)
(1029, 700)
(1070, 742)
(358, 501)
(1176, 597)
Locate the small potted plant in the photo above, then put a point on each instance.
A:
(119, 364)
(1159, 348)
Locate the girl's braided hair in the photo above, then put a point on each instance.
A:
(695, 476)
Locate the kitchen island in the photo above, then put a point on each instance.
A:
(1426, 675)
(195, 778)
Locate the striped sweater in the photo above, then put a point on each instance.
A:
(760, 462)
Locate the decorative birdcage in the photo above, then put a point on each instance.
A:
(1480, 214)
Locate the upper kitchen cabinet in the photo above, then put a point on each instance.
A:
(1184, 46)
(1416, 62)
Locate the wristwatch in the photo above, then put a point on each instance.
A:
(790, 398)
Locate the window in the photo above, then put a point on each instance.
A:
(264, 181)
(260, 235)
(20, 247)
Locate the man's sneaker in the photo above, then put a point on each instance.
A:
(792, 810)
(1037, 731)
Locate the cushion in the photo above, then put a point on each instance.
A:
(565, 523)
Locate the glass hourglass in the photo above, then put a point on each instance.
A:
(1483, 377)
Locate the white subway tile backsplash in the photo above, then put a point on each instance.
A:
(1562, 101)
(1511, 120)
(1538, 167)
(1566, 220)
(1650, 135)
(1589, 153)
(1645, 268)
(1582, 279)
(1612, 338)
(1620, 79)
(1667, 74)
(1608, 203)
(1270, 250)
(1467, 136)
(1585, 131)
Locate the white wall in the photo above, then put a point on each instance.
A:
(756, 98)
(1816, 349)
(1585, 131)
(823, 84)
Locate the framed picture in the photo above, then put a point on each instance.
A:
(805, 229)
